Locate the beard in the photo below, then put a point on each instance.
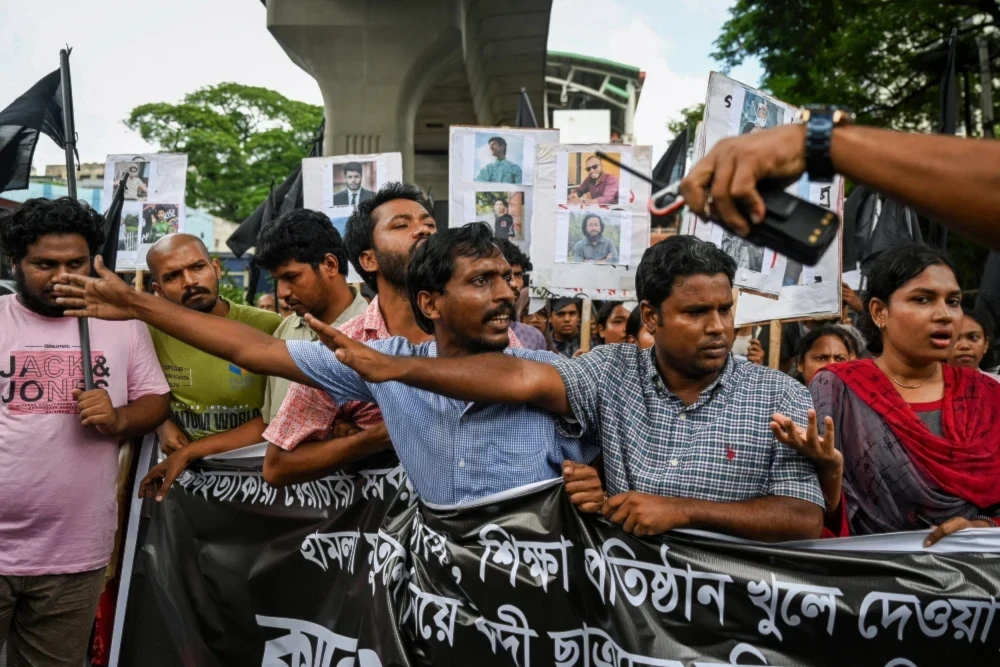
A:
(33, 301)
(201, 305)
(593, 236)
(393, 266)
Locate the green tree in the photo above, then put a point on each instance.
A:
(237, 138)
(690, 117)
(882, 59)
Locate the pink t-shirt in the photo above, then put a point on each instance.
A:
(57, 478)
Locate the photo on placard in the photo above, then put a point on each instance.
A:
(158, 220)
(502, 211)
(354, 182)
(591, 180)
(747, 256)
(137, 185)
(759, 114)
(498, 158)
(128, 235)
(595, 237)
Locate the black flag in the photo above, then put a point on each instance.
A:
(525, 114)
(669, 169)
(38, 110)
(268, 215)
(112, 227)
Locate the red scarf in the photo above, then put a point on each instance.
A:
(966, 460)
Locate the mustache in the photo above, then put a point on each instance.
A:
(194, 291)
(503, 309)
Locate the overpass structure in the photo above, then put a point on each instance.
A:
(395, 74)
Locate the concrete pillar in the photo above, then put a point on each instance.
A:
(373, 61)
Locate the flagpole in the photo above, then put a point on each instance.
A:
(70, 130)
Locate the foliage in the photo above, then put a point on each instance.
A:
(238, 139)
(690, 117)
(228, 289)
(882, 59)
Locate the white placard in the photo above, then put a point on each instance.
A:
(558, 226)
(491, 181)
(335, 185)
(734, 109)
(583, 126)
(154, 201)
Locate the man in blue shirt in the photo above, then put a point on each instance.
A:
(454, 452)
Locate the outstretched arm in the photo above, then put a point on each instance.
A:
(951, 179)
(514, 380)
(108, 298)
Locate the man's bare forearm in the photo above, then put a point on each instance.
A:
(767, 519)
(952, 180)
(143, 415)
(227, 339)
(488, 378)
(312, 460)
(250, 433)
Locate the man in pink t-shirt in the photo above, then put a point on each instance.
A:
(58, 443)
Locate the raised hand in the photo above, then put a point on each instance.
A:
(583, 486)
(755, 353)
(105, 297)
(807, 440)
(371, 365)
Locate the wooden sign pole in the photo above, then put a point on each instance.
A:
(585, 317)
(774, 356)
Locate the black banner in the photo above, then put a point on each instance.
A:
(353, 570)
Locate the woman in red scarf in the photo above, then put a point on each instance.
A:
(918, 440)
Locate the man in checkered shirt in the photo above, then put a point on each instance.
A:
(685, 428)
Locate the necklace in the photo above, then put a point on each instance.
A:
(909, 386)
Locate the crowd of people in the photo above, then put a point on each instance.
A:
(670, 420)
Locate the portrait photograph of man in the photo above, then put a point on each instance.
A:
(498, 159)
(594, 238)
(503, 211)
(591, 180)
(158, 220)
(747, 255)
(350, 181)
(137, 185)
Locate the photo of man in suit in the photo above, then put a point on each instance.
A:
(354, 194)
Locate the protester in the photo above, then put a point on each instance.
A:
(380, 236)
(458, 287)
(58, 442)
(538, 320)
(305, 256)
(953, 180)
(636, 332)
(266, 301)
(564, 325)
(611, 320)
(829, 344)
(283, 309)
(919, 438)
(972, 344)
(684, 442)
(520, 267)
(207, 394)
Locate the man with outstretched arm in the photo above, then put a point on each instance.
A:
(685, 442)
(453, 452)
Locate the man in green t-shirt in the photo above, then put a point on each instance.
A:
(207, 395)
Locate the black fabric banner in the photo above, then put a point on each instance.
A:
(353, 570)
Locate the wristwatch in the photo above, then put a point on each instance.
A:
(819, 122)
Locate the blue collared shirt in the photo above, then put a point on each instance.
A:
(454, 452)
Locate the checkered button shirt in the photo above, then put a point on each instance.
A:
(454, 452)
(720, 448)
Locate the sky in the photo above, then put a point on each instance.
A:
(126, 54)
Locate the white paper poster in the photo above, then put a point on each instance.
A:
(782, 288)
(591, 221)
(335, 185)
(491, 171)
(154, 201)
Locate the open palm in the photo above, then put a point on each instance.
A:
(105, 297)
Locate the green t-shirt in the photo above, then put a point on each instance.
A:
(209, 395)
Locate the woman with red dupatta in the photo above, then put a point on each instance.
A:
(918, 441)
